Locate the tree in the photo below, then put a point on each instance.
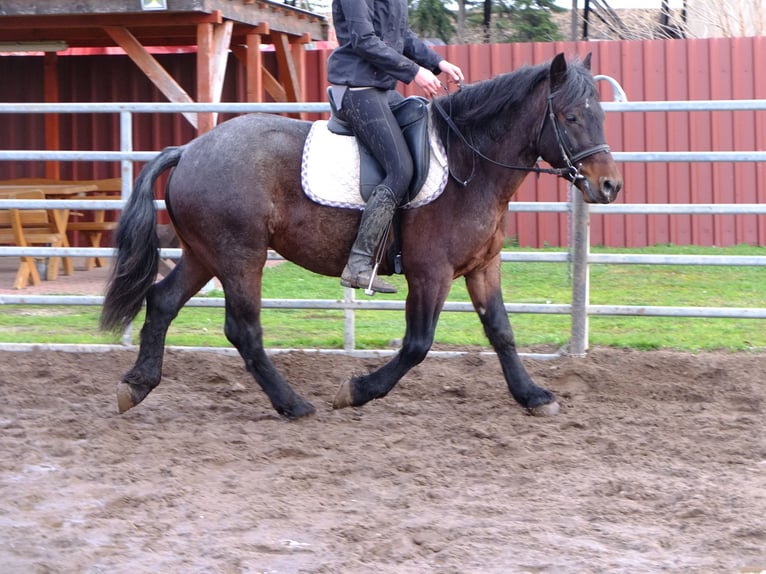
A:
(514, 20)
(532, 21)
(431, 19)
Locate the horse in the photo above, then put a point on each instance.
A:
(236, 191)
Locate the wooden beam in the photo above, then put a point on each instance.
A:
(286, 66)
(212, 55)
(152, 68)
(273, 87)
(253, 67)
(153, 19)
(299, 62)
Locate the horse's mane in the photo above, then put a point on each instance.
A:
(487, 107)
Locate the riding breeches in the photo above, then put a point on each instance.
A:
(368, 110)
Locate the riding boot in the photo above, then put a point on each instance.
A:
(375, 221)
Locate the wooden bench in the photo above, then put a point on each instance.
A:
(94, 228)
(97, 224)
(29, 227)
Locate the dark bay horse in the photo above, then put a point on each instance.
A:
(236, 191)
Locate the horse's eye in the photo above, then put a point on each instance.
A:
(571, 118)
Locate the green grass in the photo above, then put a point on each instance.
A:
(522, 283)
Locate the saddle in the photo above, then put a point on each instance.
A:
(412, 116)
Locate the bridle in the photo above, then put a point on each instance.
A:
(571, 172)
(572, 159)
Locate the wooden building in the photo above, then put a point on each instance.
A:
(212, 27)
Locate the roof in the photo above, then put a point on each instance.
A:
(81, 23)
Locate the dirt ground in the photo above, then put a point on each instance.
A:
(656, 463)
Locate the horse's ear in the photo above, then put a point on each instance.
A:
(586, 61)
(558, 71)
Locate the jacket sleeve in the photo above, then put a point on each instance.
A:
(370, 47)
(417, 50)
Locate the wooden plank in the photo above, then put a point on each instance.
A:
(759, 63)
(607, 60)
(22, 14)
(205, 65)
(273, 87)
(700, 139)
(635, 140)
(286, 66)
(745, 179)
(253, 67)
(679, 179)
(152, 68)
(723, 139)
(658, 225)
(87, 6)
(298, 51)
(90, 20)
(212, 56)
(249, 54)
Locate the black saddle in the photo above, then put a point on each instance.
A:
(412, 115)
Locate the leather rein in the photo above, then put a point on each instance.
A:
(571, 172)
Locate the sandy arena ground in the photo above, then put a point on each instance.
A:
(657, 463)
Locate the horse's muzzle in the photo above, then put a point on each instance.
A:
(601, 181)
(605, 191)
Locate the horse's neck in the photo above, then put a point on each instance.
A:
(517, 147)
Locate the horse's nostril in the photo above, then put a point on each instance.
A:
(611, 188)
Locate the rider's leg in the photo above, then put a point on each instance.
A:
(369, 113)
(376, 218)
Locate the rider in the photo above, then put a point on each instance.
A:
(376, 49)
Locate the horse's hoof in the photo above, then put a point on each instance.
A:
(299, 410)
(125, 400)
(343, 398)
(546, 410)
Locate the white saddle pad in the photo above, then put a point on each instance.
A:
(330, 169)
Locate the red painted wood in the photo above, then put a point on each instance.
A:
(696, 69)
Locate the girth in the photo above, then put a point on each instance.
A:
(412, 117)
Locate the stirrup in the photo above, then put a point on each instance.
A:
(371, 286)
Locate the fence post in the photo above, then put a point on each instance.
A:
(126, 145)
(580, 249)
(349, 321)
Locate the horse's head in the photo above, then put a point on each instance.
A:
(572, 132)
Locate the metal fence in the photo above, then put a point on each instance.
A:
(578, 256)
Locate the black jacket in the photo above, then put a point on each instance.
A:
(376, 47)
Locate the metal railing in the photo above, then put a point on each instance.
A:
(579, 255)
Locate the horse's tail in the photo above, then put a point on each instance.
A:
(136, 241)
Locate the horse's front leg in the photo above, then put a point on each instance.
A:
(487, 297)
(425, 300)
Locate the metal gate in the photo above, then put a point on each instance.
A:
(578, 256)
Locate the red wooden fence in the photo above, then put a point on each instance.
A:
(651, 70)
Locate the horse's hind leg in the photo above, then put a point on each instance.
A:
(163, 301)
(486, 295)
(243, 329)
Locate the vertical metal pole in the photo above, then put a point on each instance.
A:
(349, 321)
(126, 145)
(126, 173)
(580, 249)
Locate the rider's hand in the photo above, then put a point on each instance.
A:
(454, 73)
(426, 81)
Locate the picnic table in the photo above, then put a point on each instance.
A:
(25, 227)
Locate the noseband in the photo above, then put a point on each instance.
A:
(571, 172)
